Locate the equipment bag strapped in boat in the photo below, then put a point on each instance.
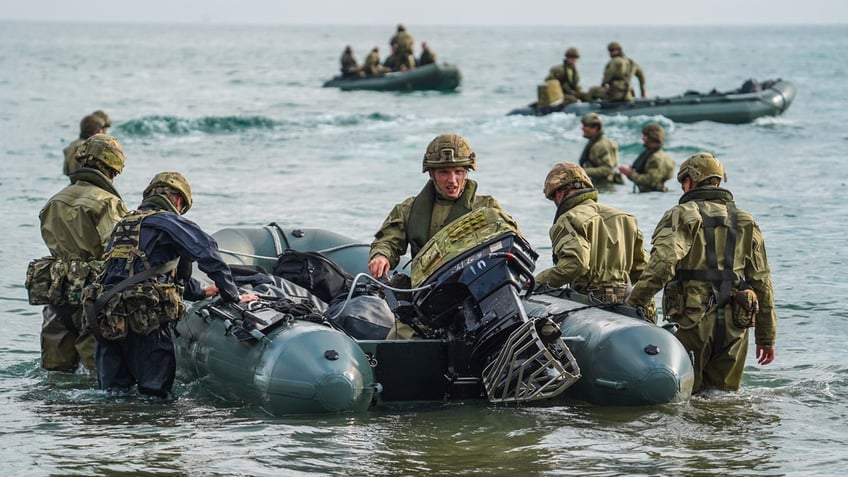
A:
(313, 271)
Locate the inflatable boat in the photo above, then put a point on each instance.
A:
(316, 342)
(435, 76)
(751, 101)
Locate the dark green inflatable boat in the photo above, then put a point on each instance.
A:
(751, 101)
(488, 333)
(435, 76)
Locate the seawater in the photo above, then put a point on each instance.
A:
(241, 112)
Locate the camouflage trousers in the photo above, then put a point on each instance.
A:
(63, 345)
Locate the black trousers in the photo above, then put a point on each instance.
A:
(148, 361)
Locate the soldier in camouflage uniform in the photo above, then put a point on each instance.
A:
(597, 249)
(710, 259)
(397, 61)
(403, 40)
(653, 166)
(600, 156)
(107, 122)
(138, 348)
(427, 56)
(448, 195)
(372, 66)
(349, 67)
(568, 77)
(75, 225)
(89, 126)
(618, 74)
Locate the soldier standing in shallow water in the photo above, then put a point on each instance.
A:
(710, 258)
(653, 166)
(600, 156)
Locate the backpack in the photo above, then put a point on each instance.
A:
(313, 271)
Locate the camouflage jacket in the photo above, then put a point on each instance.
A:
(594, 244)
(71, 163)
(76, 222)
(618, 73)
(404, 41)
(651, 169)
(392, 240)
(372, 65)
(600, 158)
(568, 77)
(679, 243)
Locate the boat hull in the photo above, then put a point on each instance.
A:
(731, 108)
(439, 77)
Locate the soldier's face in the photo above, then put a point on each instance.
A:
(590, 131)
(449, 181)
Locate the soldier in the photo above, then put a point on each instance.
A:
(89, 126)
(349, 66)
(448, 195)
(107, 122)
(597, 249)
(618, 73)
(403, 40)
(75, 225)
(710, 258)
(397, 61)
(427, 56)
(653, 166)
(568, 77)
(141, 289)
(372, 66)
(600, 156)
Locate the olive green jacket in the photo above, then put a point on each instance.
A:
(372, 66)
(658, 168)
(679, 243)
(76, 222)
(392, 239)
(594, 244)
(618, 74)
(568, 77)
(71, 164)
(404, 41)
(600, 158)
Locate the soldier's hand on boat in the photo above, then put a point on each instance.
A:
(247, 297)
(765, 354)
(211, 290)
(379, 266)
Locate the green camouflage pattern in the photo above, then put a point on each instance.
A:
(565, 175)
(104, 149)
(700, 167)
(449, 150)
(57, 282)
(142, 308)
(464, 233)
(170, 182)
(39, 282)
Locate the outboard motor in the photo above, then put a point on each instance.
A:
(473, 272)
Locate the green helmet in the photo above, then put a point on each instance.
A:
(565, 175)
(449, 150)
(592, 119)
(701, 167)
(91, 125)
(572, 53)
(102, 114)
(170, 183)
(614, 45)
(104, 149)
(654, 131)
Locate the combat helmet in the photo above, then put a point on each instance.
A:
(654, 131)
(170, 183)
(614, 45)
(102, 114)
(104, 149)
(91, 125)
(592, 119)
(700, 167)
(572, 53)
(449, 150)
(565, 175)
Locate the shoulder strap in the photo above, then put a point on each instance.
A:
(91, 311)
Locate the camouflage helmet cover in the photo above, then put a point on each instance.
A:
(170, 183)
(592, 119)
(565, 175)
(572, 53)
(102, 148)
(91, 125)
(106, 121)
(654, 131)
(449, 150)
(700, 167)
(614, 45)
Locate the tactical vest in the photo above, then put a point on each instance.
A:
(421, 213)
(143, 306)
